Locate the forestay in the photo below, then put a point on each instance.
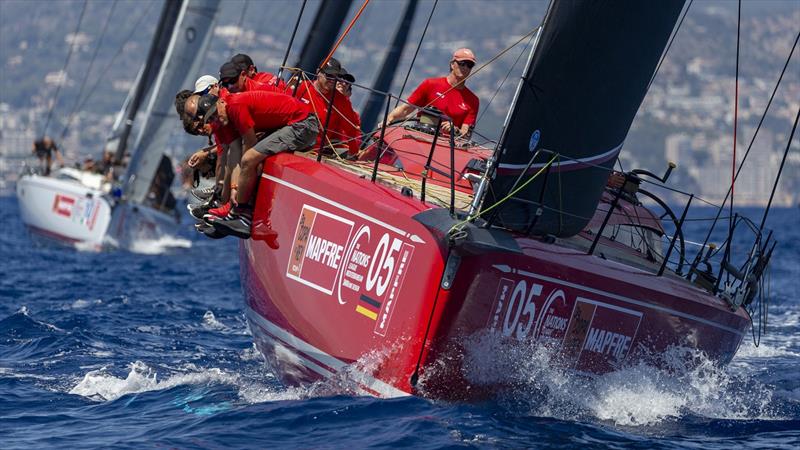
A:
(586, 80)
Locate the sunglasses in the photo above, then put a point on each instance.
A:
(467, 64)
(228, 81)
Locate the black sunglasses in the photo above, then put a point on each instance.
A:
(468, 64)
(228, 81)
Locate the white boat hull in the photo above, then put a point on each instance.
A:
(63, 210)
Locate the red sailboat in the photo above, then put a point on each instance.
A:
(389, 267)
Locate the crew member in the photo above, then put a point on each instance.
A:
(291, 125)
(341, 132)
(44, 149)
(449, 94)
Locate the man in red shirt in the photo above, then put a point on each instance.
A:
(341, 131)
(292, 128)
(246, 63)
(448, 94)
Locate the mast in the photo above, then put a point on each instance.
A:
(383, 81)
(579, 96)
(155, 57)
(324, 30)
(183, 57)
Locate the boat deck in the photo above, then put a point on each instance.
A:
(394, 178)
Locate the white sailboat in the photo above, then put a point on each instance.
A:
(72, 206)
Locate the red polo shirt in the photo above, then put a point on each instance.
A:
(460, 104)
(262, 111)
(268, 78)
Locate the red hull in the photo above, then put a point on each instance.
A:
(356, 286)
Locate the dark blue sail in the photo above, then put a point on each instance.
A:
(587, 78)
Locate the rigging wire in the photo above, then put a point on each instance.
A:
(108, 66)
(291, 41)
(74, 111)
(755, 134)
(669, 45)
(735, 111)
(510, 69)
(239, 29)
(416, 52)
(64, 70)
(780, 170)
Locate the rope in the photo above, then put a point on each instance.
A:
(414, 59)
(347, 30)
(74, 111)
(460, 225)
(64, 70)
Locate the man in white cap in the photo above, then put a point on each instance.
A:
(448, 94)
(204, 84)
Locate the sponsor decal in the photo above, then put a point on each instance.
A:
(592, 334)
(62, 205)
(317, 250)
(534, 140)
(82, 210)
(365, 269)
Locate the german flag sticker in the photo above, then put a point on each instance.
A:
(368, 307)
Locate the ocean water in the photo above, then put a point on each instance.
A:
(151, 349)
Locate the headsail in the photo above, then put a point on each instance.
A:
(181, 64)
(579, 96)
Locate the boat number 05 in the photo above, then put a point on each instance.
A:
(382, 265)
(521, 310)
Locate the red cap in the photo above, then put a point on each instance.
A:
(464, 54)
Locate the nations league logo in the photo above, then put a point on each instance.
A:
(534, 140)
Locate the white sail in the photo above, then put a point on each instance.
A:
(181, 64)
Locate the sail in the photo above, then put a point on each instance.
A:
(323, 33)
(148, 73)
(579, 94)
(180, 69)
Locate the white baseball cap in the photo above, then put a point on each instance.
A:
(203, 83)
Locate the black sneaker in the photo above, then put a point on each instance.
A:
(198, 210)
(236, 223)
(203, 193)
(208, 230)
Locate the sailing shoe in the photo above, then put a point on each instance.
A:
(203, 193)
(218, 213)
(198, 210)
(237, 223)
(208, 230)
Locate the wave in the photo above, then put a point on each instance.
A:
(632, 396)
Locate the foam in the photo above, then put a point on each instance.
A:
(99, 385)
(158, 246)
(637, 395)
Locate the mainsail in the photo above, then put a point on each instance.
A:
(579, 95)
(182, 63)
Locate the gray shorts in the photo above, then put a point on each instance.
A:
(298, 136)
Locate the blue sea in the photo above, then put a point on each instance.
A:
(151, 349)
